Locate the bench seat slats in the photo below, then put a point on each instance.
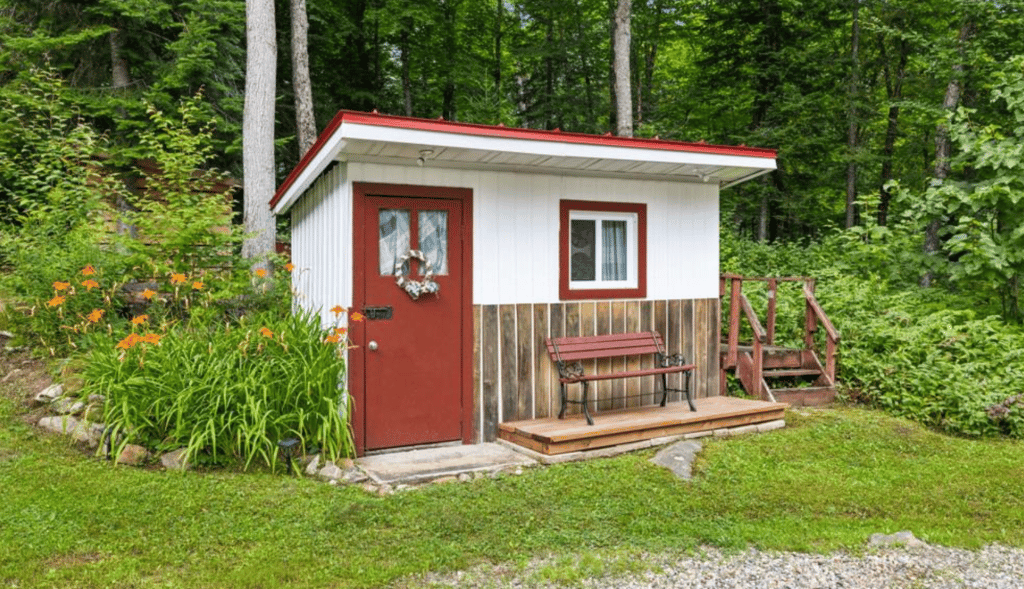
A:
(568, 350)
(648, 372)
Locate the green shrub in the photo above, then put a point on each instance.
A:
(944, 359)
(226, 392)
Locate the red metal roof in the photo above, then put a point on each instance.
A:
(443, 126)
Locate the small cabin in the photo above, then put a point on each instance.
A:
(463, 247)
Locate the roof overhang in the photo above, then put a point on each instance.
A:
(371, 137)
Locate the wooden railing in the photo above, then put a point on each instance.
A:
(740, 308)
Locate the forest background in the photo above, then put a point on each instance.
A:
(899, 128)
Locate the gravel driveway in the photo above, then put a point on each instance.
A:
(923, 567)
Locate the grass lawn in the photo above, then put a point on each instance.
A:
(826, 482)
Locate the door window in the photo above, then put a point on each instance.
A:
(394, 239)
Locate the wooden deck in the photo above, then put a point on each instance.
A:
(558, 436)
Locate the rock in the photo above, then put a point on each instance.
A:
(47, 395)
(353, 475)
(905, 539)
(347, 463)
(175, 460)
(133, 455)
(678, 458)
(370, 488)
(465, 477)
(331, 472)
(97, 399)
(313, 466)
(80, 431)
(385, 490)
(66, 405)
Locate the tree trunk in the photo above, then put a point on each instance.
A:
(942, 145)
(305, 120)
(894, 93)
(258, 131)
(851, 130)
(498, 17)
(623, 92)
(120, 80)
(403, 56)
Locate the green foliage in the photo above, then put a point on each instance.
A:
(226, 392)
(943, 359)
(984, 236)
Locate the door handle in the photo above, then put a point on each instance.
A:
(372, 345)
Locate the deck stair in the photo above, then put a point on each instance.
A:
(793, 375)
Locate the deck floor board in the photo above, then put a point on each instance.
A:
(551, 435)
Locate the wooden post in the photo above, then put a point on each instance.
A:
(773, 286)
(830, 360)
(734, 321)
(811, 320)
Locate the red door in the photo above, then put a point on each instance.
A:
(412, 349)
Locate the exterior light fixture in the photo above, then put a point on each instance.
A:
(424, 154)
(289, 448)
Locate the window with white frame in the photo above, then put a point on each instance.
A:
(602, 250)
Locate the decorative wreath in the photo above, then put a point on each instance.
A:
(416, 287)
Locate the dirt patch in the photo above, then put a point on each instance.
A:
(21, 377)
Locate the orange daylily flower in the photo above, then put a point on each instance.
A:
(95, 316)
(266, 332)
(88, 270)
(337, 309)
(140, 319)
(332, 339)
(148, 294)
(289, 266)
(357, 316)
(128, 342)
(341, 330)
(197, 285)
(58, 286)
(150, 338)
(177, 278)
(90, 284)
(55, 301)
(261, 272)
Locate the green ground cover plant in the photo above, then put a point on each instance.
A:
(826, 482)
(944, 358)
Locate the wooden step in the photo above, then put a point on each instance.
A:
(784, 372)
(805, 397)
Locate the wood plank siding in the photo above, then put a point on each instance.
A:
(518, 381)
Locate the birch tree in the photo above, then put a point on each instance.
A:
(258, 131)
(305, 120)
(623, 89)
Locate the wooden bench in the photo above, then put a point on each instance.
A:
(569, 352)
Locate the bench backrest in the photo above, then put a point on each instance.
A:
(569, 349)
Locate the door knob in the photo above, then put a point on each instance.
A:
(372, 345)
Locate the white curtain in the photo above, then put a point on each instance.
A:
(613, 250)
(394, 239)
(433, 232)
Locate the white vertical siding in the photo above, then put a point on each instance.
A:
(322, 244)
(515, 237)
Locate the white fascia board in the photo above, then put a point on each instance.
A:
(323, 158)
(437, 139)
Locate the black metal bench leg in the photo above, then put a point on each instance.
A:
(561, 414)
(586, 405)
(689, 392)
(664, 390)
